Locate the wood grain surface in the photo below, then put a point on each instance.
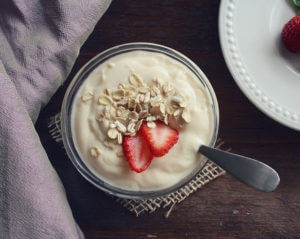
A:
(225, 208)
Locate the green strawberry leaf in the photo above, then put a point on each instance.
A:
(296, 4)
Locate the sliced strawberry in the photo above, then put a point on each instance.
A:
(137, 152)
(160, 139)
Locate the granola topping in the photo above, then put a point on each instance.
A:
(127, 106)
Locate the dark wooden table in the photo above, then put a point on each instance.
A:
(225, 208)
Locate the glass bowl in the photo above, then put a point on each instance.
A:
(67, 110)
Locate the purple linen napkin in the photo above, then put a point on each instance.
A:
(39, 42)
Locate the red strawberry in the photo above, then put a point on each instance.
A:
(160, 139)
(137, 152)
(291, 34)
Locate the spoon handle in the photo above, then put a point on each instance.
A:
(250, 171)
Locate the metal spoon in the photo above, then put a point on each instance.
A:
(250, 171)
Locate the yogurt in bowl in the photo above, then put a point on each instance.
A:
(132, 86)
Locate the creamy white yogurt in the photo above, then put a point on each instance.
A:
(88, 132)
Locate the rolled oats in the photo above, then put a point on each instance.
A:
(141, 98)
(177, 99)
(119, 138)
(143, 114)
(177, 112)
(162, 108)
(166, 119)
(131, 104)
(121, 86)
(131, 127)
(143, 90)
(120, 118)
(95, 152)
(111, 65)
(105, 100)
(186, 116)
(151, 124)
(147, 97)
(138, 125)
(134, 79)
(122, 103)
(120, 126)
(152, 93)
(151, 118)
(155, 101)
(112, 126)
(167, 89)
(183, 104)
(107, 92)
(87, 96)
(156, 90)
(128, 93)
(112, 133)
(106, 112)
(170, 110)
(159, 82)
(133, 115)
(118, 94)
(103, 76)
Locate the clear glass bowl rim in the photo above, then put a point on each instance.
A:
(66, 118)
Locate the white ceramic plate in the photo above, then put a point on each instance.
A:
(264, 70)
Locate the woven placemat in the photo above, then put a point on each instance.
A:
(207, 174)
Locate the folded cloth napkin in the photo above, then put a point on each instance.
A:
(39, 42)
